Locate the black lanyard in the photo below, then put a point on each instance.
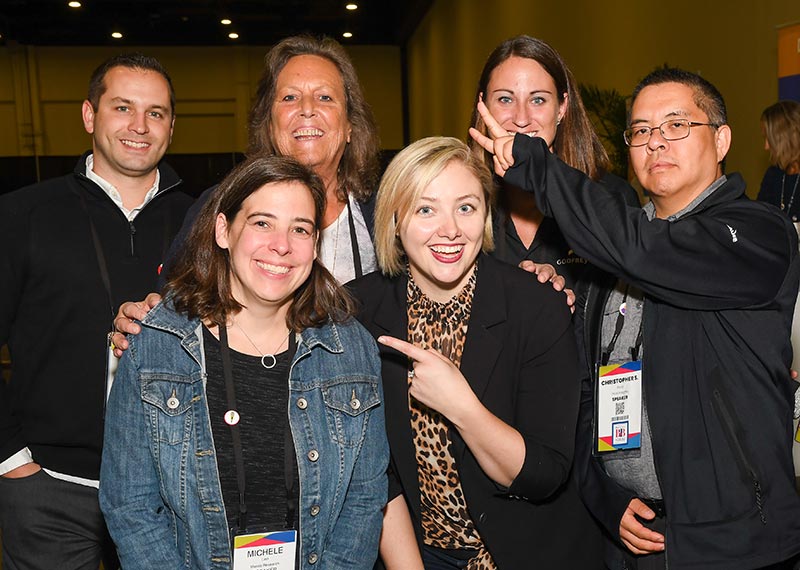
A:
(354, 242)
(238, 452)
(620, 322)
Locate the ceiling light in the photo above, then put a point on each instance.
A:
(225, 22)
(233, 35)
(116, 35)
(347, 35)
(74, 4)
(352, 6)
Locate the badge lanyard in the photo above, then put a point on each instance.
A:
(620, 322)
(232, 419)
(354, 242)
(618, 393)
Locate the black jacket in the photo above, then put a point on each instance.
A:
(720, 284)
(55, 311)
(519, 359)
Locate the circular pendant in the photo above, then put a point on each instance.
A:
(231, 417)
(268, 361)
(623, 308)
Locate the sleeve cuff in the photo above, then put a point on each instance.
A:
(20, 458)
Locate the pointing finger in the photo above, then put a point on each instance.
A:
(413, 352)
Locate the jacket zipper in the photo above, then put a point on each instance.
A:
(739, 450)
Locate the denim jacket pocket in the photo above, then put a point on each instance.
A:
(167, 398)
(346, 402)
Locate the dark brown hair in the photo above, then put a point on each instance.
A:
(576, 143)
(201, 282)
(135, 60)
(358, 168)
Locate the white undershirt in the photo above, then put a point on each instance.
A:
(336, 251)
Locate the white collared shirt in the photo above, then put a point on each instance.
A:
(114, 194)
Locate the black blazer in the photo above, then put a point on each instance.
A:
(520, 360)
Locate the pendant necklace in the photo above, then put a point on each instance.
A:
(791, 198)
(268, 360)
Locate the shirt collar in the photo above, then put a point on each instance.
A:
(650, 209)
(114, 194)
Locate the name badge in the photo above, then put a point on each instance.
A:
(619, 406)
(265, 550)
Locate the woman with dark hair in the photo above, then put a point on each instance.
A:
(780, 124)
(529, 89)
(250, 408)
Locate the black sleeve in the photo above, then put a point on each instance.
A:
(14, 230)
(176, 247)
(735, 257)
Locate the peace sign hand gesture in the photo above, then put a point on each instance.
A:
(499, 142)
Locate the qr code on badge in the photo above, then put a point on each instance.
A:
(619, 408)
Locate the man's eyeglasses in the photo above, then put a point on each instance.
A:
(672, 130)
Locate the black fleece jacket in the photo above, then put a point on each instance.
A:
(55, 311)
(720, 284)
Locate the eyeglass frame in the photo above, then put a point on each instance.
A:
(689, 124)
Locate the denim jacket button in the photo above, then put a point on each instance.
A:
(314, 510)
(355, 404)
(312, 558)
(313, 455)
(302, 403)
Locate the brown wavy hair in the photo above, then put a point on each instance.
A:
(576, 143)
(358, 168)
(201, 282)
(782, 129)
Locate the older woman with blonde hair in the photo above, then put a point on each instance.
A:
(479, 371)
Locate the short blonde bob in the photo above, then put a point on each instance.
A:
(406, 177)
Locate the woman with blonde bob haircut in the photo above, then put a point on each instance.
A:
(404, 181)
(478, 364)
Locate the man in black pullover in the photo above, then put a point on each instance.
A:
(72, 248)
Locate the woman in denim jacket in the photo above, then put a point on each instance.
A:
(186, 464)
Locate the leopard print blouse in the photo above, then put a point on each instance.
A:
(446, 522)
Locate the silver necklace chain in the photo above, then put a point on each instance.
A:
(791, 198)
(268, 360)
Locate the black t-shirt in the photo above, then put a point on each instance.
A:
(262, 397)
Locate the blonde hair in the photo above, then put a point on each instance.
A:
(406, 177)
(782, 128)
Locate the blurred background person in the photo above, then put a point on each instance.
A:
(780, 124)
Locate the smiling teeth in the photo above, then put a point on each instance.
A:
(308, 133)
(530, 134)
(280, 269)
(447, 248)
(135, 144)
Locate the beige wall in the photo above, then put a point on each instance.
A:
(611, 44)
(41, 89)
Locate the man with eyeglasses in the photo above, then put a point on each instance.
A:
(684, 441)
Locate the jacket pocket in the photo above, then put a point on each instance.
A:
(167, 399)
(734, 434)
(347, 402)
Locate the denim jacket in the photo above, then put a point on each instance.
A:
(159, 484)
